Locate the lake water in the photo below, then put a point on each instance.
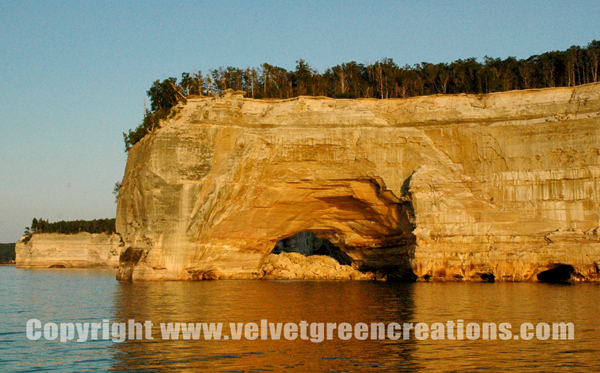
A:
(58, 295)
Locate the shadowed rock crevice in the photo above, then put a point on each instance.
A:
(559, 274)
(488, 277)
(308, 244)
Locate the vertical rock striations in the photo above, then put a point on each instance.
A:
(503, 186)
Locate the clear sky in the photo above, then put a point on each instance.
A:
(74, 74)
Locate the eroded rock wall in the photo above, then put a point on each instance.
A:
(447, 187)
(81, 250)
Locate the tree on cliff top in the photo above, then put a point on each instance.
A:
(7, 252)
(382, 79)
(67, 227)
(163, 96)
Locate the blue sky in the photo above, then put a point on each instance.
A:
(74, 74)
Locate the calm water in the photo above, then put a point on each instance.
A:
(92, 295)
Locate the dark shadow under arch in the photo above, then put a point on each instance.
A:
(307, 244)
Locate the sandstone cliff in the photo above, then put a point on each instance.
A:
(502, 186)
(81, 250)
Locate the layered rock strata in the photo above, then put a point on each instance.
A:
(81, 250)
(503, 186)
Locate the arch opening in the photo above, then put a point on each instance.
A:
(310, 255)
(309, 244)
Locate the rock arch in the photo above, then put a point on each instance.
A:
(447, 187)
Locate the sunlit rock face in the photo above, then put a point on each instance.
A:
(81, 250)
(497, 187)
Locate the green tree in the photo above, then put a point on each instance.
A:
(117, 190)
(165, 94)
(303, 77)
(382, 79)
(163, 97)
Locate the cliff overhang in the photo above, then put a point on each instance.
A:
(501, 187)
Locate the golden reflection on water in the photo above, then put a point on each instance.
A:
(353, 302)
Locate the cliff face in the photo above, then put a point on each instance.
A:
(502, 186)
(81, 250)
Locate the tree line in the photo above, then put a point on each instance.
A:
(69, 227)
(7, 253)
(382, 79)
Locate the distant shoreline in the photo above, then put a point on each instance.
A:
(7, 264)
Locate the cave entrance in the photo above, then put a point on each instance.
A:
(559, 274)
(307, 244)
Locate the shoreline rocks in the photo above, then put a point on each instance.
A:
(295, 266)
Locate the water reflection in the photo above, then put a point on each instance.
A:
(91, 296)
(251, 301)
(353, 302)
(513, 303)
